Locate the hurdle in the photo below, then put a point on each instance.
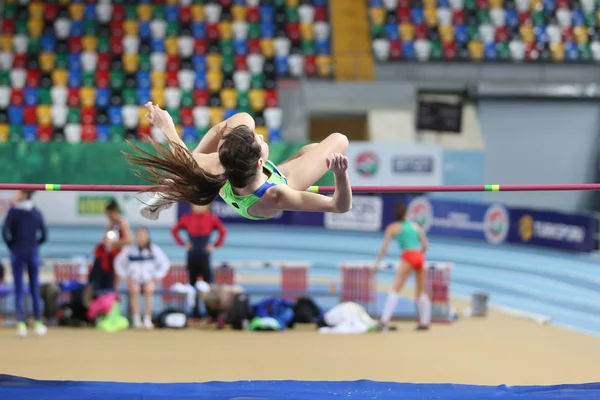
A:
(359, 285)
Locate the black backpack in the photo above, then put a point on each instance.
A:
(171, 318)
(306, 311)
(239, 312)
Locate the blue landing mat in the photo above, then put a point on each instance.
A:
(17, 388)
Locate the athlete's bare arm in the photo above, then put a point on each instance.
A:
(422, 238)
(210, 141)
(392, 230)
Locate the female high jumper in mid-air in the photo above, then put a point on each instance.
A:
(231, 160)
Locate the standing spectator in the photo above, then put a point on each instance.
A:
(199, 224)
(117, 234)
(24, 231)
(142, 265)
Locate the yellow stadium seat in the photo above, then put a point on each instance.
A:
(172, 46)
(144, 12)
(446, 33)
(581, 34)
(4, 132)
(130, 63)
(558, 51)
(158, 96)
(238, 13)
(292, 3)
(536, 5)
(431, 18)
(476, 50)
(35, 27)
(159, 79)
(267, 47)
(76, 11)
(429, 4)
(307, 31)
(216, 115)
(324, 66)
(225, 30)
(87, 96)
(47, 61)
(36, 10)
(131, 28)
(59, 77)
(407, 32)
(214, 81)
(89, 43)
(142, 116)
(173, 2)
(257, 99)
(64, 2)
(198, 12)
(6, 43)
(229, 98)
(496, 3)
(377, 15)
(262, 131)
(44, 115)
(526, 32)
(214, 62)
(598, 16)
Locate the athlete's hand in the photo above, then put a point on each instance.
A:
(158, 117)
(338, 163)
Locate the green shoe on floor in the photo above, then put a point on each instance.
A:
(21, 330)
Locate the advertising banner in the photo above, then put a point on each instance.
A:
(392, 164)
(552, 229)
(365, 215)
(87, 208)
(457, 219)
(229, 215)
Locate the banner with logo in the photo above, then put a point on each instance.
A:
(87, 208)
(366, 215)
(552, 229)
(394, 164)
(458, 219)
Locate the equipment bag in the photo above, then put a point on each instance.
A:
(172, 318)
(240, 312)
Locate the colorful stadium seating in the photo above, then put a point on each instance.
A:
(81, 70)
(486, 30)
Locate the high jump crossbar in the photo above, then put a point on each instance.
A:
(51, 187)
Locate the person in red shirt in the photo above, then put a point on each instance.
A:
(199, 224)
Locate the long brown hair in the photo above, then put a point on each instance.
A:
(400, 211)
(177, 176)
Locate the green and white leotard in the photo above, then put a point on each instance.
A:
(243, 203)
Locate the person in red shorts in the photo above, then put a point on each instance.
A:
(199, 224)
(413, 242)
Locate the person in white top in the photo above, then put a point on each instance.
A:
(142, 265)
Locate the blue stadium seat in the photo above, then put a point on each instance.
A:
(199, 63)
(408, 50)
(240, 47)
(75, 79)
(418, 16)
(199, 30)
(48, 42)
(30, 133)
(323, 47)
(31, 96)
(158, 45)
(229, 112)
(172, 13)
(143, 96)
(200, 81)
(190, 134)
(102, 97)
(115, 116)
(282, 65)
(144, 30)
(392, 32)
(15, 114)
(461, 34)
(77, 28)
(267, 30)
(103, 133)
(74, 62)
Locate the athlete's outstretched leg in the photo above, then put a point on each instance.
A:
(304, 170)
(153, 207)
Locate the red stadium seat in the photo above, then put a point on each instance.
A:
(310, 65)
(187, 117)
(50, 12)
(185, 14)
(103, 62)
(201, 97)
(75, 45)
(19, 61)
(200, 46)
(116, 45)
(501, 34)
(116, 28)
(525, 18)
(33, 77)
(253, 15)
(173, 63)
(403, 15)
(102, 79)
(30, 115)
(271, 98)
(88, 132)
(88, 115)
(482, 4)
(8, 27)
(531, 52)
(403, 3)
(420, 32)
(449, 51)
(17, 97)
(562, 4)
(395, 50)
(458, 17)
(212, 31)
(240, 63)
(321, 14)
(254, 46)
(44, 133)
(567, 34)
(73, 97)
(293, 31)
(172, 79)
(144, 132)
(118, 12)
